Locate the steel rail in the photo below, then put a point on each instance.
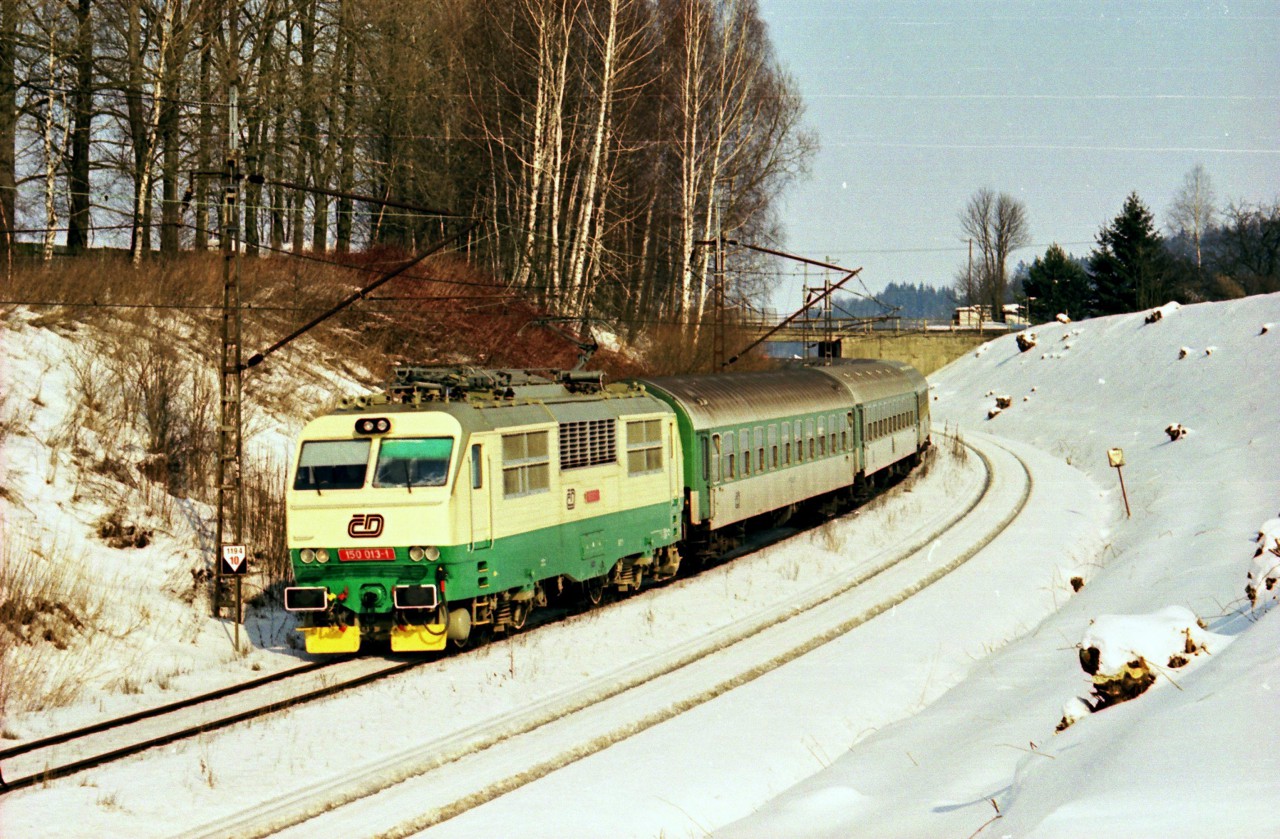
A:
(183, 732)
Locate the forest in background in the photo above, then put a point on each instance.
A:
(599, 140)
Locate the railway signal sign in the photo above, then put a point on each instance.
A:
(1115, 458)
(235, 560)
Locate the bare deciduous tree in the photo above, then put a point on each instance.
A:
(1193, 208)
(996, 224)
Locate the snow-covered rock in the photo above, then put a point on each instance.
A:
(1126, 654)
(1263, 578)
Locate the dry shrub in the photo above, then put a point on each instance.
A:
(953, 441)
(671, 350)
(46, 604)
(264, 518)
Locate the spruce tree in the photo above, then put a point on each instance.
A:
(1129, 269)
(1056, 283)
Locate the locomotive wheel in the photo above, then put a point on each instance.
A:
(519, 614)
(593, 591)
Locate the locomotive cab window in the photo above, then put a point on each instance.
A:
(477, 467)
(419, 462)
(332, 464)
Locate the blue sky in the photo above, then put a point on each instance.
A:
(1068, 106)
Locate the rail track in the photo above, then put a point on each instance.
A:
(500, 754)
(71, 752)
(84, 748)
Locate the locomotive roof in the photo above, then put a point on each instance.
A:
(725, 399)
(491, 399)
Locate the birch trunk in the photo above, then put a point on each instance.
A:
(579, 289)
(50, 155)
(144, 180)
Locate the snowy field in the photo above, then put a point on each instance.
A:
(937, 718)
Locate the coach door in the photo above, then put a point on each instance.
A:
(481, 502)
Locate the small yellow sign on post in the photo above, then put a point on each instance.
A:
(1115, 457)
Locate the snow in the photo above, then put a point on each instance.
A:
(935, 718)
(1158, 640)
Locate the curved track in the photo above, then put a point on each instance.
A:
(84, 748)
(503, 753)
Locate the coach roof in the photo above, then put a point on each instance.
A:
(714, 401)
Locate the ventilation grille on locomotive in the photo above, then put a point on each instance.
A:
(587, 443)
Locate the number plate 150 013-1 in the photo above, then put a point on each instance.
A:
(366, 554)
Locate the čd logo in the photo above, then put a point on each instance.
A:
(365, 526)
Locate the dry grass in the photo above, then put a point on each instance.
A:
(264, 517)
(46, 605)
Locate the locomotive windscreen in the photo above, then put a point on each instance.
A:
(420, 462)
(332, 464)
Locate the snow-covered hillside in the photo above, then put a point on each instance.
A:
(1199, 753)
(115, 565)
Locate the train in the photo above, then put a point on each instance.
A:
(457, 500)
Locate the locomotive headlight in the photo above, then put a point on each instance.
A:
(307, 555)
(418, 554)
(322, 556)
(373, 425)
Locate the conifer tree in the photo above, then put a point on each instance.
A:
(1129, 268)
(1056, 284)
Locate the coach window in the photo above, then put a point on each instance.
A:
(729, 465)
(715, 458)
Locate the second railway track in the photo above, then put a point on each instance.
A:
(69, 752)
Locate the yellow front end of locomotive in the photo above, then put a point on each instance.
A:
(331, 639)
(417, 639)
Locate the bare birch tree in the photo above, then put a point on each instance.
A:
(1193, 209)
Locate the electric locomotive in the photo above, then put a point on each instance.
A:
(463, 498)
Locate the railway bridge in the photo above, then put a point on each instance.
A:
(926, 345)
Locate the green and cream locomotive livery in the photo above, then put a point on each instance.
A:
(462, 498)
